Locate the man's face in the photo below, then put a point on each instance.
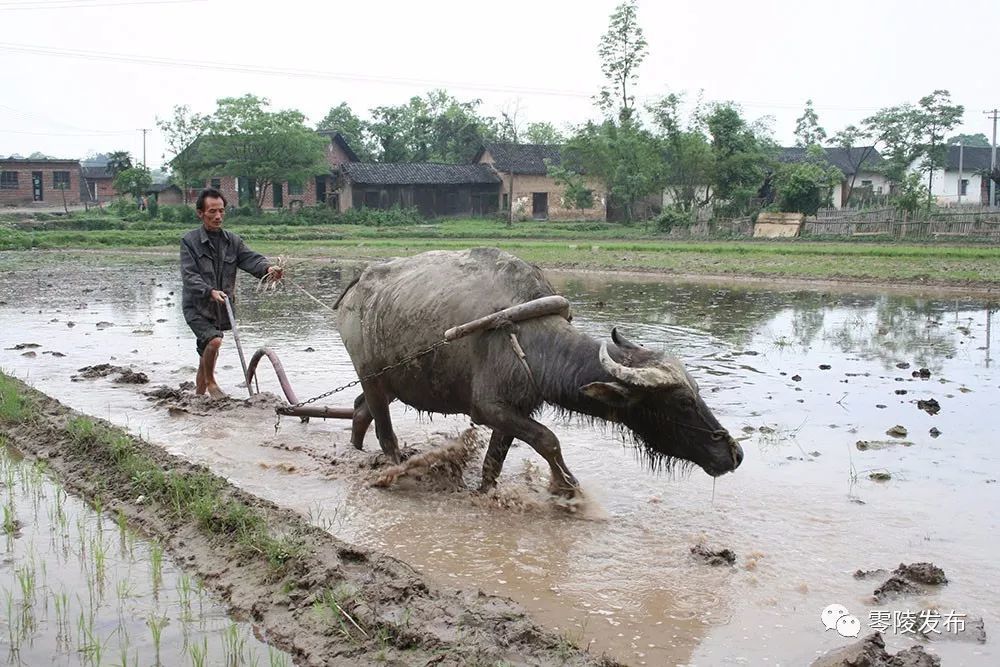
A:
(213, 213)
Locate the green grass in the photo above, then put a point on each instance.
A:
(585, 245)
(189, 493)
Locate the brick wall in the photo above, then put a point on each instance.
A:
(104, 191)
(526, 185)
(23, 193)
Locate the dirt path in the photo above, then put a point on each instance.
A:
(327, 602)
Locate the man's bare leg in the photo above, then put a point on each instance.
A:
(207, 369)
(199, 384)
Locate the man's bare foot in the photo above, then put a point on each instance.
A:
(215, 392)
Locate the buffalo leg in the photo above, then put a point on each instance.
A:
(378, 401)
(541, 439)
(361, 421)
(495, 455)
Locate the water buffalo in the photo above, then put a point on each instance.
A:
(402, 306)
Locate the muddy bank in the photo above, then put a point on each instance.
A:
(324, 601)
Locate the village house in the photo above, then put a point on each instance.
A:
(862, 182)
(48, 182)
(970, 185)
(525, 182)
(96, 184)
(433, 189)
(320, 189)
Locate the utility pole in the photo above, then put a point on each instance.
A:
(144, 131)
(993, 157)
(960, 156)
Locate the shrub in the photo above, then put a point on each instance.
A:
(670, 218)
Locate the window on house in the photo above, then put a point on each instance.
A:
(866, 184)
(294, 188)
(216, 183)
(60, 180)
(506, 202)
(963, 187)
(8, 180)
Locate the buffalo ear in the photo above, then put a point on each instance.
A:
(612, 393)
(623, 342)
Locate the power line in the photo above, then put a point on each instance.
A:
(75, 4)
(33, 115)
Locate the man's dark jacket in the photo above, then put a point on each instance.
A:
(202, 271)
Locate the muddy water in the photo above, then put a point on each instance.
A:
(801, 514)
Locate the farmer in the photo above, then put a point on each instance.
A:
(209, 258)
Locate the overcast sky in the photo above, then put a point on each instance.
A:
(78, 76)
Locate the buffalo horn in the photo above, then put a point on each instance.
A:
(650, 377)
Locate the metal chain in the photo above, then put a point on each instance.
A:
(285, 409)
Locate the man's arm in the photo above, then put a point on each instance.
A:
(190, 275)
(252, 262)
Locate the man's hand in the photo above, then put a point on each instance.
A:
(274, 273)
(218, 296)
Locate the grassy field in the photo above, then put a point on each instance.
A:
(606, 246)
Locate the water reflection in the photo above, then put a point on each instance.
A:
(801, 513)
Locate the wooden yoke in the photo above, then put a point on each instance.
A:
(547, 305)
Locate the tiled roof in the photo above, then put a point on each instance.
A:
(974, 158)
(522, 158)
(371, 173)
(839, 157)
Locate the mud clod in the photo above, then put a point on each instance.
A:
(796, 378)
(97, 371)
(870, 652)
(719, 557)
(865, 574)
(903, 365)
(825, 367)
(24, 346)
(893, 587)
(922, 573)
(31, 354)
(930, 406)
(934, 432)
(897, 431)
(923, 374)
(131, 377)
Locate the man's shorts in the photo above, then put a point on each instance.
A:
(204, 331)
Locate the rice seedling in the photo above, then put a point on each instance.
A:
(10, 523)
(233, 645)
(198, 653)
(184, 596)
(156, 563)
(25, 576)
(156, 624)
(276, 658)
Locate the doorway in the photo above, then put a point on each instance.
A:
(36, 186)
(540, 205)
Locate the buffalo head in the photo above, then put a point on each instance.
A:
(657, 399)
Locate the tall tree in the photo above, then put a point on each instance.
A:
(118, 161)
(859, 147)
(938, 116)
(245, 139)
(342, 118)
(543, 133)
(741, 154)
(180, 132)
(804, 187)
(978, 140)
(622, 50)
(133, 181)
(808, 131)
(687, 155)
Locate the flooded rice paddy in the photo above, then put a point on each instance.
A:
(80, 588)
(811, 379)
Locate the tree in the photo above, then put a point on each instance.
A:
(180, 132)
(911, 195)
(118, 161)
(973, 140)
(937, 116)
(245, 139)
(576, 194)
(804, 187)
(850, 138)
(133, 181)
(687, 155)
(433, 128)
(543, 133)
(808, 131)
(38, 155)
(623, 156)
(622, 50)
(354, 130)
(741, 157)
